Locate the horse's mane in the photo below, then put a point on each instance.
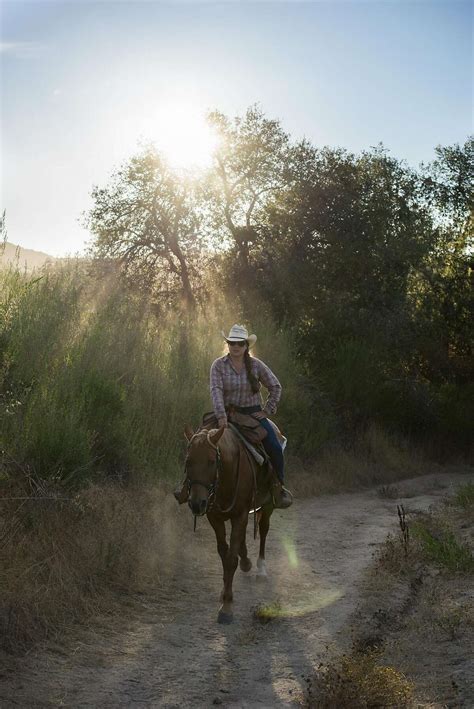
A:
(227, 443)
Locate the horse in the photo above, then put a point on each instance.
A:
(221, 479)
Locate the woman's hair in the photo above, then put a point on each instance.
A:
(254, 383)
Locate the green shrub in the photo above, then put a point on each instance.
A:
(54, 441)
(464, 496)
(94, 382)
(455, 407)
(443, 549)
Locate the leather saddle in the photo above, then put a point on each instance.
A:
(249, 428)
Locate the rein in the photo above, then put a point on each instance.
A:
(252, 467)
(212, 487)
(231, 507)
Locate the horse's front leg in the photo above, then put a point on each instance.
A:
(239, 527)
(245, 563)
(218, 526)
(263, 527)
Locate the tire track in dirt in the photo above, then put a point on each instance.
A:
(170, 652)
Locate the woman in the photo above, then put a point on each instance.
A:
(235, 383)
(236, 379)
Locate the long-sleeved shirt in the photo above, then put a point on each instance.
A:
(231, 387)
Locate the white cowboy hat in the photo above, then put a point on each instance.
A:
(239, 332)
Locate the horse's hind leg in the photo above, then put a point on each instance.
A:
(263, 527)
(245, 563)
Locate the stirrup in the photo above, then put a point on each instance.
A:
(282, 498)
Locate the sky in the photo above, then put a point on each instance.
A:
(82, 82)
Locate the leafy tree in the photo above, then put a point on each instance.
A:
(146, 218)
(448, 181)
(349, 233)
(250, 165)
(445, 288)
(338, 252)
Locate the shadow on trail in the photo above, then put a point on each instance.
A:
(188, 659)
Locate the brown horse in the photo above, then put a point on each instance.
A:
(221, 478)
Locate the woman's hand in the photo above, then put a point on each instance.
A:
(222, 422)
(260, 415)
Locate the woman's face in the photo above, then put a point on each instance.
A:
(237, 349)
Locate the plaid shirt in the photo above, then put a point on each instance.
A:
(231, 387)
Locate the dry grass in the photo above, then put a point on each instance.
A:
(376, 458)
(388, 492)
(417, 609)
(445, 613)
(358, 681)
(61, 560)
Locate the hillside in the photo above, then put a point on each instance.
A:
(25, 258)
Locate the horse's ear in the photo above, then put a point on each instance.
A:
(215, 436)
(188, 432)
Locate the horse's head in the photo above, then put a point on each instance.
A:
(202, 467)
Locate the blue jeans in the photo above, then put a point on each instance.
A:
(270, 442)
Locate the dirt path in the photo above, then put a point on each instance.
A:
(170, 652)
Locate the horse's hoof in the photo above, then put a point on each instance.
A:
(225, 618)
(245, 565)
(261, 574)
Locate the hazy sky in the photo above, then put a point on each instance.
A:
(82, 81)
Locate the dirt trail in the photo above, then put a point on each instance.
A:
(171, 652)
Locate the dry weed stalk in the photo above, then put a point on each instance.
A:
(404, 529)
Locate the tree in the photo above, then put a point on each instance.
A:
(446, 291)
(345, 235)
(448, 182)
(146, 218)
(250, 165)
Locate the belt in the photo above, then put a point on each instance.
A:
(244, 409)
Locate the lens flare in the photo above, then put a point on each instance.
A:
(290, 549)
(315, 601)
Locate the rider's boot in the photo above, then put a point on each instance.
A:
(181, 493)
(282, 498)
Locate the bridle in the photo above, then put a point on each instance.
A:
(212, 487)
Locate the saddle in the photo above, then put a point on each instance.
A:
(250, 429)
(248, 426)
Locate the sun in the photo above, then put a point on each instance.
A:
(181, 133)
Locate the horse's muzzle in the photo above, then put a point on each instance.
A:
(198, 507)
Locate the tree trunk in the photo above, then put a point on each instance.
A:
(188, 295)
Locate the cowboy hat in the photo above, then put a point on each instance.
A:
(239, 332)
